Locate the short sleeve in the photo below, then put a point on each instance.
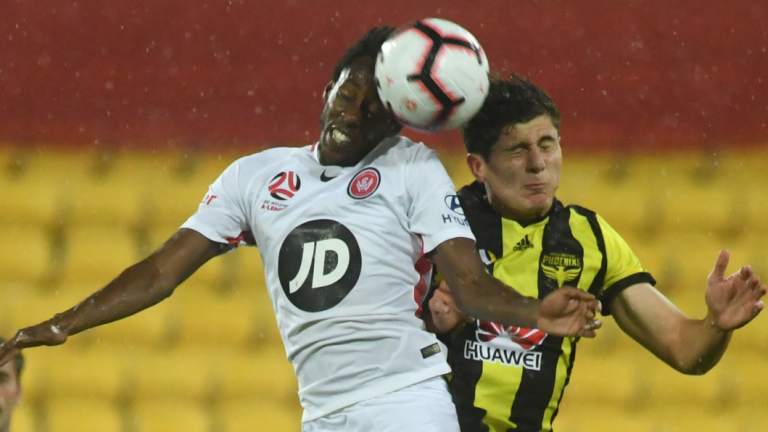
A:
(434, 211)
(623, 267)
(220, 216)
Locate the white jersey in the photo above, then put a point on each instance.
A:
(344, 256)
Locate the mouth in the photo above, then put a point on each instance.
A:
(536, 187)
(338, 137)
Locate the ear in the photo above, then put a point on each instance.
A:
(476, 165)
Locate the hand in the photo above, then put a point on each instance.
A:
(446, 316)
(569, 311)
(735, 300)
(45, 333)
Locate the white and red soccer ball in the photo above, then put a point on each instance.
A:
(432, 74)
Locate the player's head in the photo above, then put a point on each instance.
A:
(10, 388)
(514, 148)
(354, 120)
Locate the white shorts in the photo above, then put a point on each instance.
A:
(421, 407)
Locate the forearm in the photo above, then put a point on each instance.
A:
(477, 293)
(700, 346)
(486, 298)
(691, 346)
(136, 288)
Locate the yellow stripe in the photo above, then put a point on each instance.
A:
(561, 375)
(495, 392)
(520, 269)
(497, 387)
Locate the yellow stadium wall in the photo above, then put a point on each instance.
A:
(210, 358)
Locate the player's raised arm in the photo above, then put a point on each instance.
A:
(138, 287)
(564, 312)
(691, 346)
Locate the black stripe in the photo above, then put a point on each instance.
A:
(597, 283)
(483, 220)
(611, 292)
(463, 384)
(486, 225)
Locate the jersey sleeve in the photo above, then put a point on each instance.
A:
(221, 217)
(434, 211)
(623, 267)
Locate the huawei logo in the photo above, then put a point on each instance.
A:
(525, 338)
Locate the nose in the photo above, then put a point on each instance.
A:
(536, 161)
(350, 116)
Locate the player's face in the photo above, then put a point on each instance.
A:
(522, 171)
(9, 393)
(353, 121)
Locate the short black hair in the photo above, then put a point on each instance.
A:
(18, 361)
(509, 101)
(367, 46)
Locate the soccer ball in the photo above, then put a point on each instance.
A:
(432, 75)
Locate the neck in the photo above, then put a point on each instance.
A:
(521, 217)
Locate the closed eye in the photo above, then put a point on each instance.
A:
(517, 148)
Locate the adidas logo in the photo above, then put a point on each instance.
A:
(523, 244)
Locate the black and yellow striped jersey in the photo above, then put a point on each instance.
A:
(508, 378)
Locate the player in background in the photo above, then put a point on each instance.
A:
(347, 229)
(513, 378)
(10, 389)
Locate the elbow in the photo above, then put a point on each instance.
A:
(158, 285)
(693, 367)
(698, 368)
(692, 371)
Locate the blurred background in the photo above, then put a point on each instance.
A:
(115, 117)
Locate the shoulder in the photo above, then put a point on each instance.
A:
(597, 223)
(254, 164)
(473, 195)
(591, 215)
(270, 154)
(579, 209)
(403, 149)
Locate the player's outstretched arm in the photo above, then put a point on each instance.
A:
(565, 312)
(136, 288)
(692, 346)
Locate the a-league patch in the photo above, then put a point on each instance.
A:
(284, 185)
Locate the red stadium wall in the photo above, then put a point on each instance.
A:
(639, 73)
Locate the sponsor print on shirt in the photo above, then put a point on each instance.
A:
(456, 213)
(561, 267)
(319, 264)
(509, 345)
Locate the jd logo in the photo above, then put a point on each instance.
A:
(319, 264)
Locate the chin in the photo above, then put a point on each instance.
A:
(539, 205)
(540, 201)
